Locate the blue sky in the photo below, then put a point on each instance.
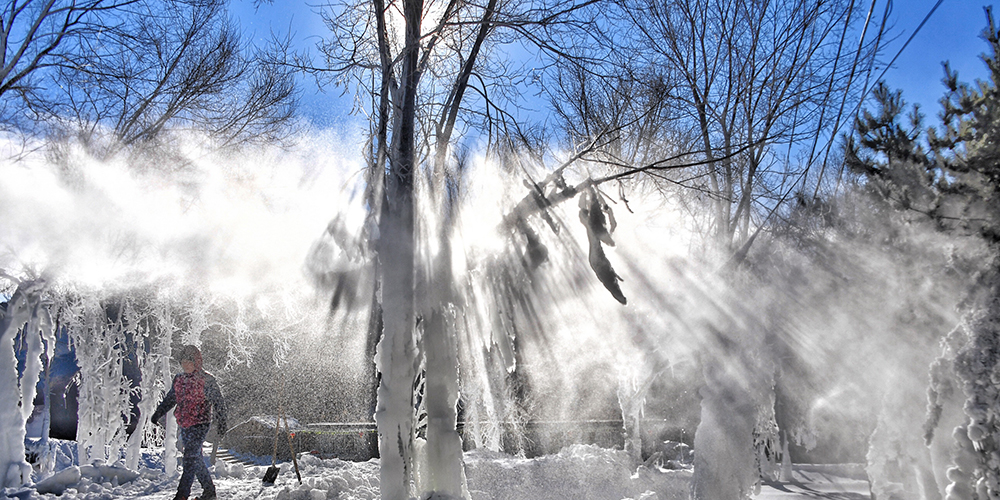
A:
(298, 17)
(952, 33)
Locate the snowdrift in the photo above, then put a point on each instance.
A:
(577, 472)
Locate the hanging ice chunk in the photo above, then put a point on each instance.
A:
(592, 210)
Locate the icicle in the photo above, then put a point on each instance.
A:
(631, 400)
(49, 337)
(170, 445)
(104, 400)
(32, 336)
(47, 461)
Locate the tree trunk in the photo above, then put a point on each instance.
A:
(724, 462)
(445, 473)
(170, 423)
(396, 352)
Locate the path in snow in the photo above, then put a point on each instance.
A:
(816, 484)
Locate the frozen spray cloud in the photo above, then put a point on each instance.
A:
(233, 223)
(821, 323)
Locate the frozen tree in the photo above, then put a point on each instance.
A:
(15, 469)
(107, 329)
(944, 408)
(977, 462)
(98, 334)
(170, 451)
(896, 453)
(27, 313)
(152, 335)
(420, 70)
(634, 383)
(737, 410)
(703, 108)
(955, 186)
(426, 76)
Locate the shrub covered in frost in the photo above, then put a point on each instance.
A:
(977, 464)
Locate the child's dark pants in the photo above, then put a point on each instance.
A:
(194, 464)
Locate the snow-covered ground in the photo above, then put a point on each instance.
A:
(577, 472)
(831, 482)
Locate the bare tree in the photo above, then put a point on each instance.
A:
(751, 82)
(128, 71)
(37, 35)
(731, 93)
(179, 64)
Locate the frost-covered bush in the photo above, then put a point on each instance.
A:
(977, 463)
(945, 401)
(104, 405)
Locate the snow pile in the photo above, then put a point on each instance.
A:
(321, 480)
(578, 471)
(324, 479)
(59, 482)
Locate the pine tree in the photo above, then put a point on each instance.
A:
(968, 147)
(888, 155)
(955, 186)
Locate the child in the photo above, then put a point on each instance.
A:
(195, 393)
